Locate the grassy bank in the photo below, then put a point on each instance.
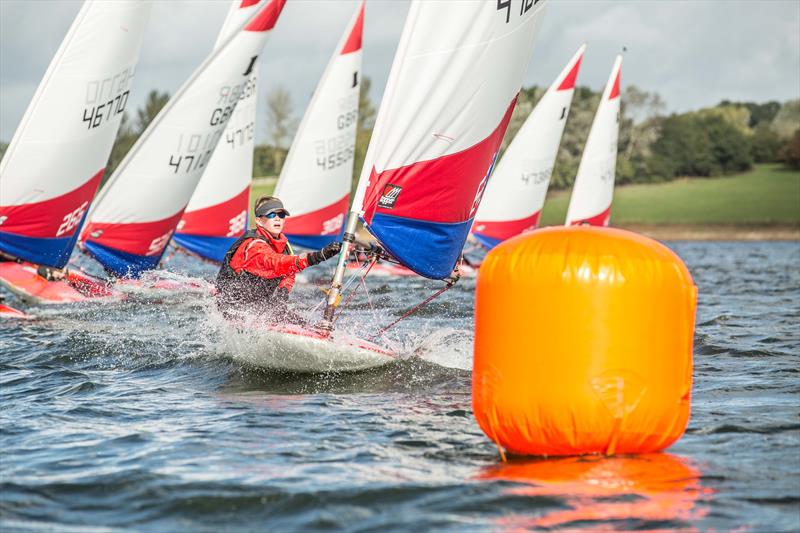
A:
(767, 195)
(760, 204)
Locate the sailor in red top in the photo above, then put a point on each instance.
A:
(258, 271)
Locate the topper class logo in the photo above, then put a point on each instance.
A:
(389, 196)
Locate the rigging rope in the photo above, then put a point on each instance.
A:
(413, 310)
(353, 292)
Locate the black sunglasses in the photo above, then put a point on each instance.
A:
(281, 214)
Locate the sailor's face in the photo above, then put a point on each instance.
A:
(273, 225)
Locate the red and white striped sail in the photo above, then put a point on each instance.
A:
(515, 195)
(139, 209)
(57, 157)
(217, 213)
(450, 94)
(315, 180)
(594, 185)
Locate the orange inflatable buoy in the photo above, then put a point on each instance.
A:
(583, 343)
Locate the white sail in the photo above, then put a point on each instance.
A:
(450, 95)
(315, 180)
(594, 184)
(217, 212)
(139, 209)
(57, 157)
(516, 192)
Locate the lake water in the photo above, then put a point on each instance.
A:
(132, 415)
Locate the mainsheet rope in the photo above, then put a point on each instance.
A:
(413, 310)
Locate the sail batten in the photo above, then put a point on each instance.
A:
(448, 101)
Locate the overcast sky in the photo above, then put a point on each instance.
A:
(693, 52)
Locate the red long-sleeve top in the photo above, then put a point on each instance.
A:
(268, 259)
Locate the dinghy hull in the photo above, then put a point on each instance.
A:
(24, 280)
(292, 348)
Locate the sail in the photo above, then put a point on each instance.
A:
(515, 195)
(448, 100)
(58, 154)
(217, 212)
(315, 180)
(137, 212)
(594, 185)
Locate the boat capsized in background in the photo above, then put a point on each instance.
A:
(57, 157)
(593, 190)
(515, 195)
(217, 213)
(450, 94)
(139, 209)
(315, 180)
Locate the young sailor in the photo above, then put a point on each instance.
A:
(258, 270)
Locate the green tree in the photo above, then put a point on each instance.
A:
(790, 153)
(640, 105)
(152, 106)
(736, 116)
(264, 160)
(126, 138)
(366, 121)
(730, 146)
(765, 143)
(280, 125)
(682, 149)
(787, 120)
(699, 144)
(759, 113)
(129, 132)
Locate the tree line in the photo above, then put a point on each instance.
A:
(653, 146)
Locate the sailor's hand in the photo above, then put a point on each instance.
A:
(331, 250)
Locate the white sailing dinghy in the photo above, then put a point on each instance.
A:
(515, 195)
(452, 87)
(593, 190)
(217, 213)
(315, 181)
(57, 157)
(138, 211)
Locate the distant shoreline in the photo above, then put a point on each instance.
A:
(717, 232)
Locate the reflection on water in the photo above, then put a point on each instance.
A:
(626, 492)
